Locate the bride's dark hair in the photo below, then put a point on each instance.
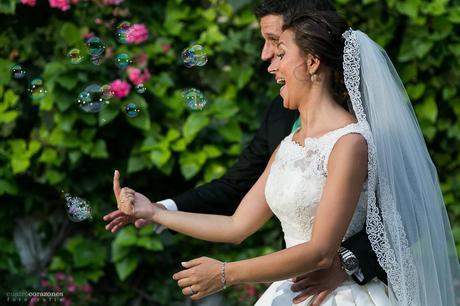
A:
(319, 33)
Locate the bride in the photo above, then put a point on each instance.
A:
(358, 159)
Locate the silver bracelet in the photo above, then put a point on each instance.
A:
(222, 276)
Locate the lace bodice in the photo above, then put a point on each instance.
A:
(296, 181)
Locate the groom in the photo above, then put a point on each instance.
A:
(222, 196)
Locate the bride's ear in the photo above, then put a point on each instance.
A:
(313, 63)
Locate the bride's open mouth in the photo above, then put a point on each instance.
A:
(282, 82)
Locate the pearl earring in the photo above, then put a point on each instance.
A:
(314, 77)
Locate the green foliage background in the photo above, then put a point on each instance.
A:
(49, 146)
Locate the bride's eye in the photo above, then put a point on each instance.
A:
(280, 55)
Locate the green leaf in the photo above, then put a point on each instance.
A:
(231, 131)
(119, 252)
(67, 81)
(428, 110)
(108, 113)
(150, 243)
(8, 187)
(57, 264)
(5, 71)
(125, 267)
(214, 171)
(54, 177)
(70, 33)
(126, 237)
(8, 6)
(191, 163)
(99, 150)
(409, 7)
(135, 164)
(86, 252)
(194, 123)
(416, 91)
(160, 157)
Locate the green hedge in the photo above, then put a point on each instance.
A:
(48, 146)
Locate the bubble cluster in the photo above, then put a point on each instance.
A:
(96, 49)
(17, 72)
(77, 208)
(194, 99)
(122, 60)
(91, 99)
(132, 110)
(194, 56)
(140, 88)
(75, 56)
(37, 89)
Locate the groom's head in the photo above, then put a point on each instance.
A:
(272, 14)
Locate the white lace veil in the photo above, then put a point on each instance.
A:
(407, 222)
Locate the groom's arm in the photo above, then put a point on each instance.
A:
(222, 196)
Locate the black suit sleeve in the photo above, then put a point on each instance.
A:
(223, 195)
(360, 245)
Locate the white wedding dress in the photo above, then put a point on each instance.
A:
(293, 191)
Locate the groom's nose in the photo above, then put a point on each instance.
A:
(268, 51)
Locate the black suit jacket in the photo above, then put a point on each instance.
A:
(223, 195)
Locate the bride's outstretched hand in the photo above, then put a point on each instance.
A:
(201, 277)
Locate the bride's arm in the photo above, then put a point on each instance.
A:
(347, 170)
(251, 214)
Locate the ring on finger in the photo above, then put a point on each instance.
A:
(191, 290)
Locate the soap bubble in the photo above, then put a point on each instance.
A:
(77, 208)
(194, 56)
(107, 92)
(124, 25)
(122, 36)
(122, 60)
(37, 89)
(96, 46)
(140, 88)
(194, 99)
(17, 72)
(75, 57)
(132, 110)
(96, 60)
(91, 99)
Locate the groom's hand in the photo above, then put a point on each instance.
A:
(320, 283)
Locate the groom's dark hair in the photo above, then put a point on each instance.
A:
(286, 8)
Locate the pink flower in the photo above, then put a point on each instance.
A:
(66, 301)
(98, 21)
(165, 48)
(120, 88)
(63, 5)
(29, 2)
(112, 2)
(87, 288)
(72, 288)
(136, 76)
(44, 283)
(88, 35)
(137, 33)
(142, 59)
(33, 301)
(60, 276)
